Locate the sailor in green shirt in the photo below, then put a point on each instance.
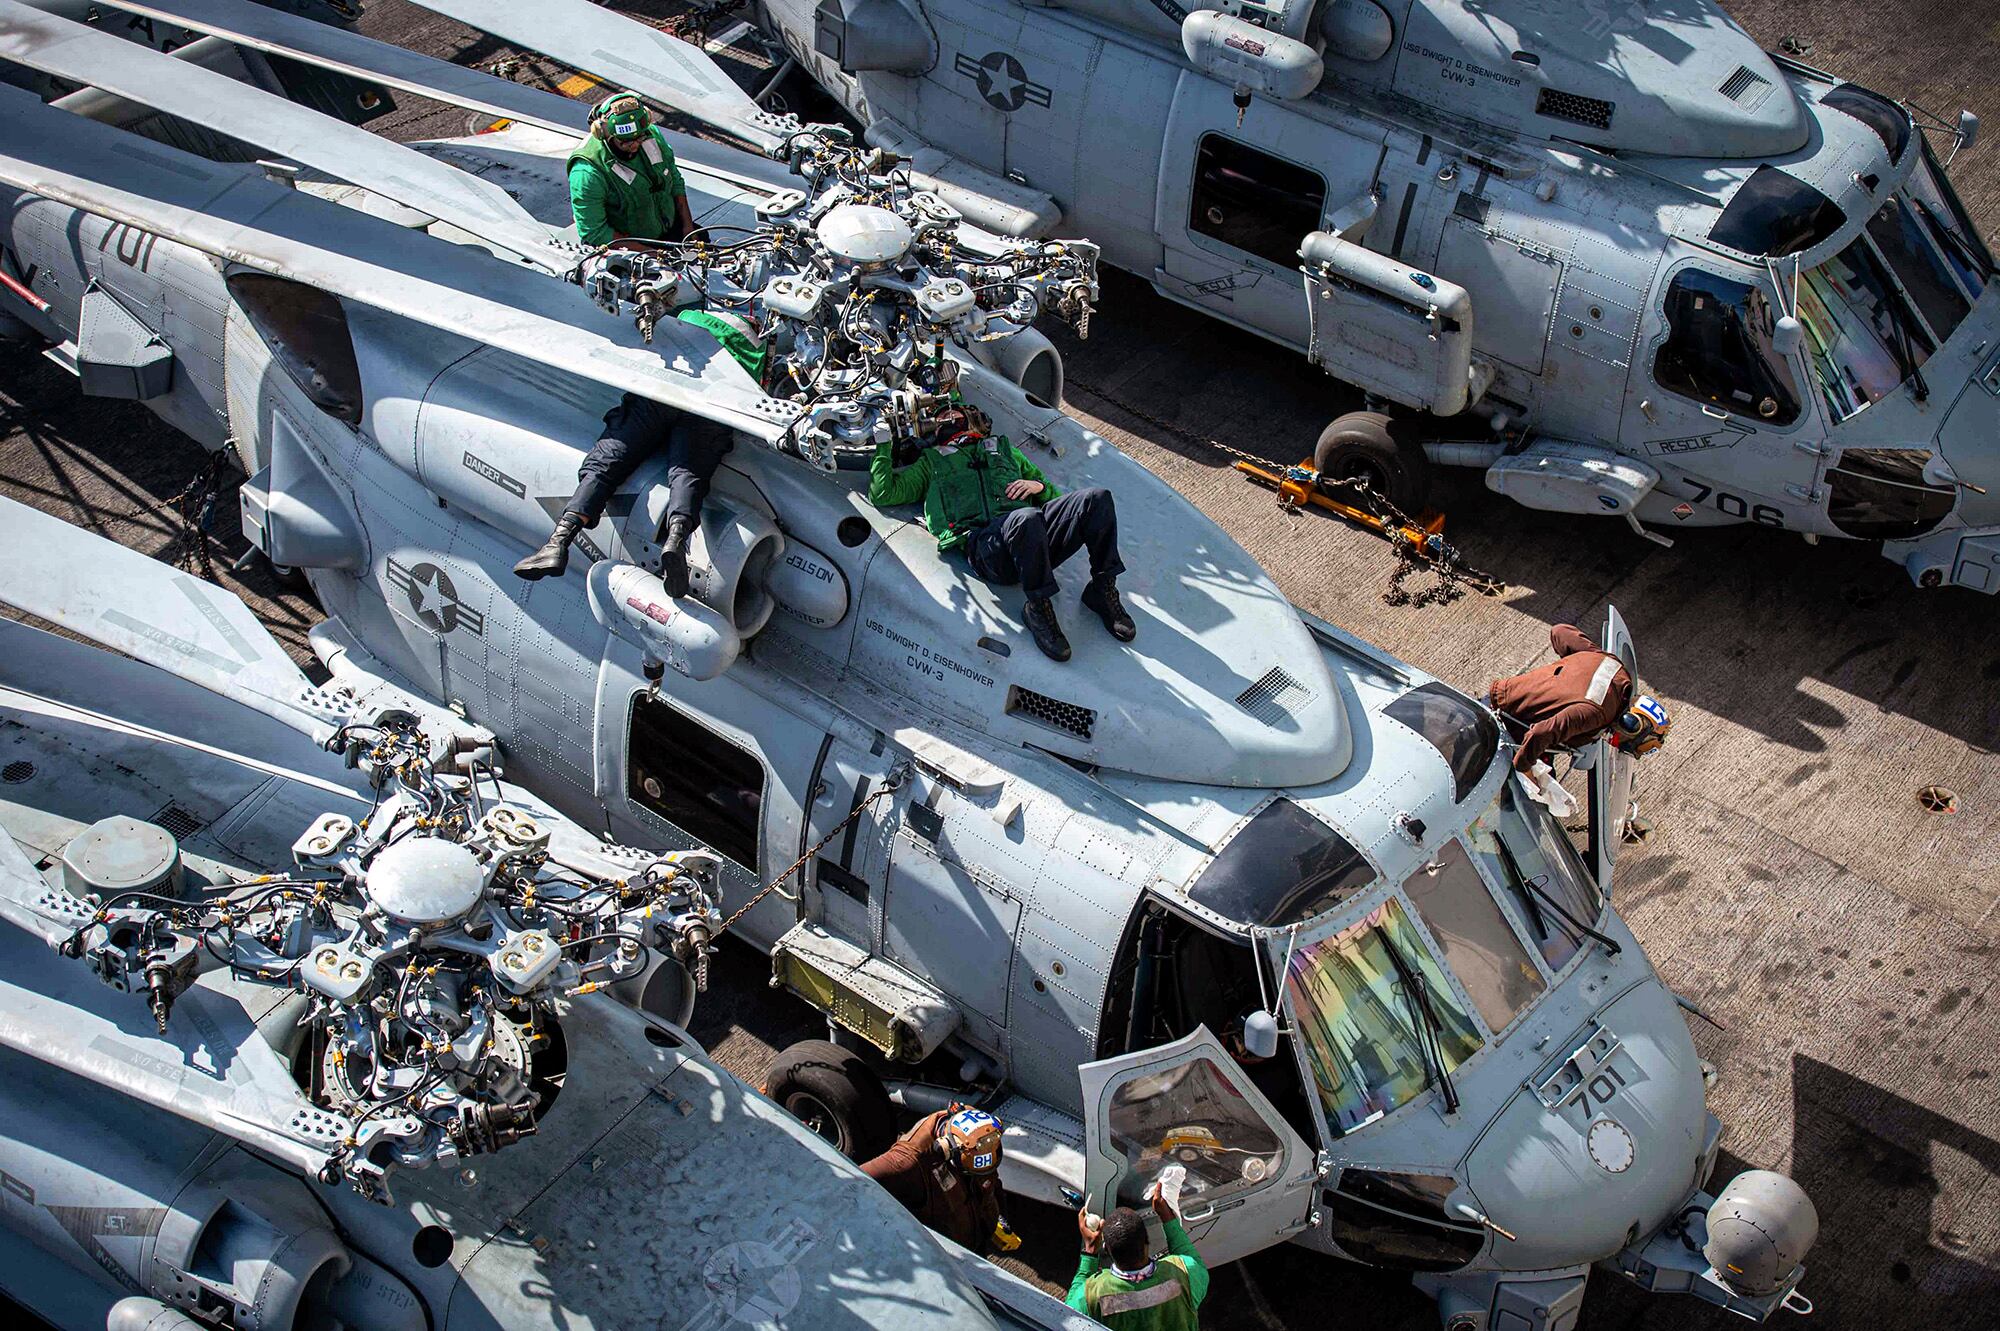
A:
(622, 179)
(1136, 1292)
(982, 495)
(633, 431)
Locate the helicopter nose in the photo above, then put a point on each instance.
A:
(1573, 1181)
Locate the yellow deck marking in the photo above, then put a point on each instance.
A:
(573, 86)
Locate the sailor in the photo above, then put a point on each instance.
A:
(1136, 1292)
(633, 431)
(622, 178)
(1584, 693)
(983, 496)
(946, 1170)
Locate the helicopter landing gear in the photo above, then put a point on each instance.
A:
(1359, 447)
(835, 1094)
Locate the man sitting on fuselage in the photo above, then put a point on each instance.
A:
(982, 495)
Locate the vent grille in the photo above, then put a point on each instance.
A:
(1272, 698)
(179, 822)
(1575, 108)
(1054, 713)
(1746, 85)
(17, 771)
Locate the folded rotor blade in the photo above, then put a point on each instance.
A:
(27, 901)
(153, 612)
(83, 54)
(625, 54)
(320, 44)
(240, 216)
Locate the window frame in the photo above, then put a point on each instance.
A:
(1195, 223)
(1801, 404)
(637, 798)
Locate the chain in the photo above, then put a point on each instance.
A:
(693, 26)
(1434, 555)
(192, 512)
(890, 787)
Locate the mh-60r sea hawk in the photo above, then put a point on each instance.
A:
(1469, 1070)
(1608, 252)
(292, 1042)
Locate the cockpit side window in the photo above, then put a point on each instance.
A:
(684, 772)
(1889, 121)
(1467, 736)
(1775, 213)
(1478, 945)
(1284, 866)
(1718, 348)
(1252, 201)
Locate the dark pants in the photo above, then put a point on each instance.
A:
(633, 431)
(1026, 545)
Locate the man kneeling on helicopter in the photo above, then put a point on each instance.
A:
(982, 495)
(1584, 693)
(623, 184)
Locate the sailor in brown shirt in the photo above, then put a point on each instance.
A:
(1574, 699)
(946, 1169)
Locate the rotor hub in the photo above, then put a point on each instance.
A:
(424, 880)
(863, 233)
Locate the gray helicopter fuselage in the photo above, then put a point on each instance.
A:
(1054, 831)
(658, 1188)
(1477, 150)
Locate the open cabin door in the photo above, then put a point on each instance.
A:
(1249, 1176)
(1613, 775)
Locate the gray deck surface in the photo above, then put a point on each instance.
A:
(1794, 887)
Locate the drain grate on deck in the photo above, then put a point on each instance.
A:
(180, 822)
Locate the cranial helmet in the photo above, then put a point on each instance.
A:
(971, 1140)
(1642, 727)
(621, 116)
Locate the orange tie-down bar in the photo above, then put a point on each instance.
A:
(1299, 486)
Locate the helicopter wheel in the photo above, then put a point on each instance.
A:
(836, 1095)
(1359, 449)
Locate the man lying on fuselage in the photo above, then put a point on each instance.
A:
(982, 495)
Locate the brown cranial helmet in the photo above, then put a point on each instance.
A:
(971, 1141)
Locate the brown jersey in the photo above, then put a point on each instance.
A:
(1569, 702)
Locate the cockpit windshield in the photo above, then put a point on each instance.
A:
(1919, 263)
(1944, 218)
(1522, 848)
(1361, 1024)
(1861, 339)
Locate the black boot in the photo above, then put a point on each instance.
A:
(1041, 617)
(552, 558)
(1102, 596)
(673, 556)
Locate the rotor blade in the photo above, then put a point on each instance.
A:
(83, 54)
(153, 612)
(320, 44)
(238, 215)
(28, 902)
(625, 54)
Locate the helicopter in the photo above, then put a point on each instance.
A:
(1610, 253)
(1041, 887)
(313, 1020)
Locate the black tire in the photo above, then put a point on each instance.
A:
(834, 1093)
(1359, 447)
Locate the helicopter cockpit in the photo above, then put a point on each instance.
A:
(1414, 1021)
